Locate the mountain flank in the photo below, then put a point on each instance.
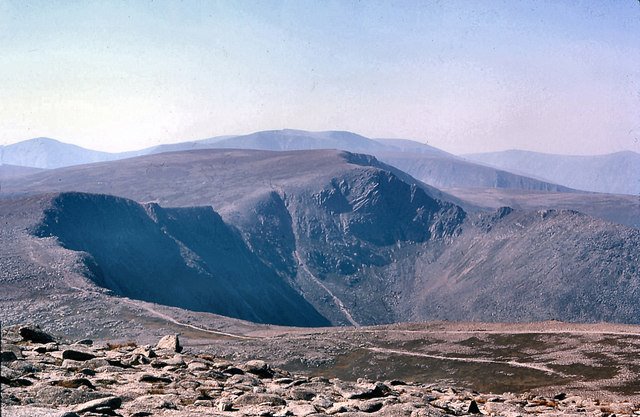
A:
(616, 173)
(359, 241)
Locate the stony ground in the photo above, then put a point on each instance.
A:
(42, 376)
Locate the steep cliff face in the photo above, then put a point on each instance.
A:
(185, 257)
(351, 230)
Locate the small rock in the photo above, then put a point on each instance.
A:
(257, 399)
(337, 408)
(473, 408)
(88, 372)
(152, 379)
(177, 360)
(203, 403)
(232, 370)
(397, 382)
(77, 355)
(35, 334)
(8, 356)
(302, 394)
(225, 406)
(144, 351)
(170, 342)
(322, 402)
(49, 347)
(74, 383)
(72, 365)
(370, 406)
(360, 392)
(299, 409)
(197, 366)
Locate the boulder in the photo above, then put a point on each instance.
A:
(259, 368)
(77, 355)
(35, 334)
(153, 379)
(361, 392)
(473, 408)
(110, 403)
(8, 356)
(170, 342)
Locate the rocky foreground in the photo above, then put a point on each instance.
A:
(45, 377)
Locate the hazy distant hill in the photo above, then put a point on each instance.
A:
(406, 145)
(50, 153)
(453, 172)
(291, 140)
(426, 163)
(517, 170)
(183, 146)
(361, 242)
(612, 173)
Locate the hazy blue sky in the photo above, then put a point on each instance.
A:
(555, 76)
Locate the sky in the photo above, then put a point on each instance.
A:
(464, 76)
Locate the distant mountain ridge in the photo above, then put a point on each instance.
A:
(47, 153)
(519, 170)
(426, 163)
(616, 173)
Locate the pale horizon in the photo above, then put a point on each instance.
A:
(248, 133)
(464, 77)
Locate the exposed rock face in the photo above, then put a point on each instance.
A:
(182, 257)
(217, 387)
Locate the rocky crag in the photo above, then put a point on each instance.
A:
(45, 377)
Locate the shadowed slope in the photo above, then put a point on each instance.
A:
(186, 257)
